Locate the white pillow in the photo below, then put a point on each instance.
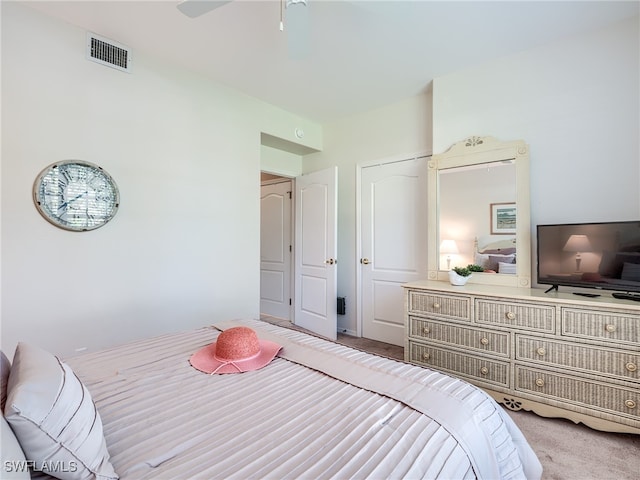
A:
(630, 272)
(482, 260)
(54, 418)
(14, 463)
(507, 267)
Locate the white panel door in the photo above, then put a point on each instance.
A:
(275, 250)
(393, 243)
(315, 252)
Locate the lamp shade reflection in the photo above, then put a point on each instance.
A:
(577, 243)
(448, 247)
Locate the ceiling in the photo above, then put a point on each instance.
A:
(360, 54)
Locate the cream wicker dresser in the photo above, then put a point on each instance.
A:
(558, 354)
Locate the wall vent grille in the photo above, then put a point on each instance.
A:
(107, 52)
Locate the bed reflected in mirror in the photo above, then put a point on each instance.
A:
(477, 210)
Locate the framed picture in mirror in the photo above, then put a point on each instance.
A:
(503, 218)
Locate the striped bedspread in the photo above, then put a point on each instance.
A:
(318, 410)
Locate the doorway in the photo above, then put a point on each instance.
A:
(298, 245)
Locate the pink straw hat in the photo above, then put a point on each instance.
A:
(236, 350)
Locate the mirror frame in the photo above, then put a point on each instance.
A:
(474, 151)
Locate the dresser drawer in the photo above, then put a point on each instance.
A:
(587, 393)
(597, 360)
(480, 368)
(539, 318)
(483, 340)
(601, 325)
(449, 306)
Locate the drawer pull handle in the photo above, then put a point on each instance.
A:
(540, 382)
(484, 370)
(436, 305)
(630, 404)
(510, 316)
(426, 356)
(426, 330)
(541, 351)
(484, 341)
(610, 328)
(632, 367)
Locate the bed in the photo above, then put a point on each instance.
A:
(318, 410)
(495, 255)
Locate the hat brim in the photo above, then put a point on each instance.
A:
(205, 360)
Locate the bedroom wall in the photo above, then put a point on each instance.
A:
(400, 130)
(183, 250)
(576, 102)
(278, 161)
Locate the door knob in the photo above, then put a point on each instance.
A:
(365, 261)
(331, 261)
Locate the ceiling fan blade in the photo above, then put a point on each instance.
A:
(195, 8)
(297, 29)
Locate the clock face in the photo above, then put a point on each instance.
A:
(76, 195)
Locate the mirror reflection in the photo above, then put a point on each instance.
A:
(478, 216)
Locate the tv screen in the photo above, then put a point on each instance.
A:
(592, 255)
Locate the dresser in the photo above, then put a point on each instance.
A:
(557, 354)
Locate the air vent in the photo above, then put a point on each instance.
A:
(107, 52)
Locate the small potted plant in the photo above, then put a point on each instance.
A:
(460, 275)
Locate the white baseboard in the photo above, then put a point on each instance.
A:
(347, 332)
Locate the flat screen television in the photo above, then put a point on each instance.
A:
(591, 255)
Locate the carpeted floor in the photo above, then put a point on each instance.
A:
(576, 452)
(567, 451)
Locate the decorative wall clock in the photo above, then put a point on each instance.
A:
(76, 195)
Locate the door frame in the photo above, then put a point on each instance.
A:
(359, 167)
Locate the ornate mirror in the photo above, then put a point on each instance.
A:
(479, 211)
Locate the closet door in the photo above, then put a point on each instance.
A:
(393, 243)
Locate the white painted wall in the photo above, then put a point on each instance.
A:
(399, 130)
(276, 161)
(576, 102)
(183, 250)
